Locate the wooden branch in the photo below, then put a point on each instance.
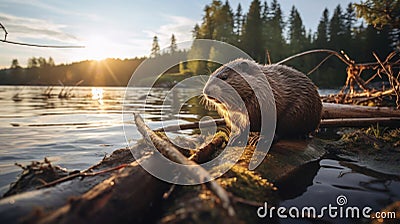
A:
(40, 45)
(331, 111)
(169, 151)
(341, 57)
(194, 125)
(80, 174)
(393, 122)
(204, 153)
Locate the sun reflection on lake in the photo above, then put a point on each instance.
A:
(97, 94)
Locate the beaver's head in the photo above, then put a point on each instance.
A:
(231, 91)
(230, 81)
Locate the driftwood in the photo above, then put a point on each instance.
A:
(169, 151)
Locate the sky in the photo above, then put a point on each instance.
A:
(114, 29)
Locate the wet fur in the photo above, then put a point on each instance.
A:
(298, 104)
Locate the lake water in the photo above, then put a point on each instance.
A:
(74, 132)
(77, 132)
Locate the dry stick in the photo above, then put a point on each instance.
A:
(319, 65)
(169, 151)
(204, 153)
(393, 81)
(341, 57)
(194, 125)
(85, 174)
(39, 45)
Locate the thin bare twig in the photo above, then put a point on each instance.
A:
(32, 45)
(85, 174)
(5, 31)
(39, 45)
(341, 57)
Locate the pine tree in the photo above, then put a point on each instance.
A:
(238, 23)
(51, 62)
(33, 62)
(155, 49)
(173, 48)
(223, 18)
(277, 44)
(208, 25)
(196, 31)
(252, 36)
(337, 29)
(266, 29)
(297, 32)
(349, 21)
(321, 40)
(15, 64)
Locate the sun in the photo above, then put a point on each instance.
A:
(97, 48)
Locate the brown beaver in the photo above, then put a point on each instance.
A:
(298, 104)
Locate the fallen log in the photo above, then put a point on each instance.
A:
(392, 122)
(332, 110)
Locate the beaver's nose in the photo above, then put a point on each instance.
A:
(207, 91)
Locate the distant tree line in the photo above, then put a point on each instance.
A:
(265, 34)
(108, 72)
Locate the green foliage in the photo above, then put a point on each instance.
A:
(297, 32)
(252, 43)
(262, 30)
(380, 12)
(322, 37)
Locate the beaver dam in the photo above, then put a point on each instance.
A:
(352, 162)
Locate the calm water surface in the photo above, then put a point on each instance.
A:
(74, 133)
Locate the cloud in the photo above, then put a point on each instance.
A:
(180, 26)
(50, 8)
(24, 27)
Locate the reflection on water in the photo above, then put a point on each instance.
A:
(97, 94)
(73, 132)
(319, 183)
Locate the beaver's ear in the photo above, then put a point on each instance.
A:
(245, 66)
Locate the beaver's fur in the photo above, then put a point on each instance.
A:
(298, 104)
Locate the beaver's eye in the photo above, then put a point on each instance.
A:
(224, 76)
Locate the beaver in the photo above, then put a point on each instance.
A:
(298, 104)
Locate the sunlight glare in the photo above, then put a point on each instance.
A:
(97, 94)
(97, 48)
